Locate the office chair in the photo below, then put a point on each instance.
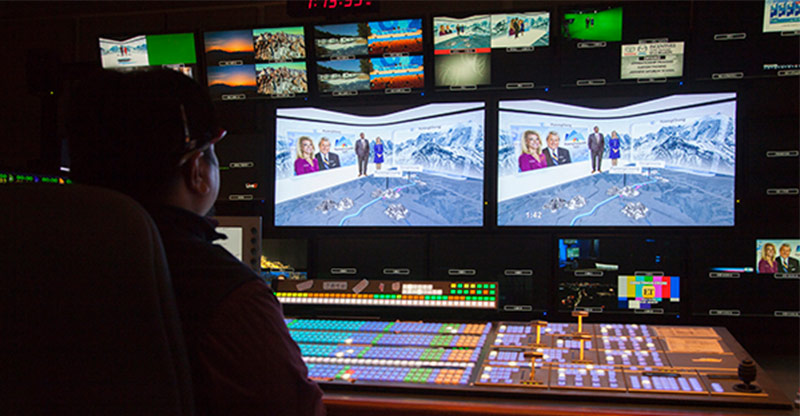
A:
(89, 323)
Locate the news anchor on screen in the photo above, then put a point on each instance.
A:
(787, 264)
(555, 155)
(305, 162)
(325, 158)
(531, 157)
(767, 263)
(362, 151)
(597, 144)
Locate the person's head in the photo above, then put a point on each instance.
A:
(148, 134)
(553, 140)
(361, 135)
(530, 142)
(768, 252)
(785, 250)
(305, 147)
(378, 140)
(614, 133)
(324, 145)
(596, 129)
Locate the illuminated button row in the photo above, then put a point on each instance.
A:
(389, 374)
(473, 286)
(480, 302)
(390, 353)
(394, 327)
(365, 338)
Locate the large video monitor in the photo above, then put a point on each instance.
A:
(420, 167)
(175, 51)
(256, 63)
(370, 56)
(667, 161)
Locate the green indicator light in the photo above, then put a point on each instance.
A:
(491, 292)
(460, 285)
(492, 286)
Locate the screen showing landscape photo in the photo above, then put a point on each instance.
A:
(348, 39)
(516, 30)
(667, 161)
(470, 33)
(420, 167)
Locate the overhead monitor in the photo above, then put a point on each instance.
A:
(256, 63)
(491, 50)
(175, 51)
(781, 16)
(419, 167)
(668, 161)
(384, 56)
(593, 24)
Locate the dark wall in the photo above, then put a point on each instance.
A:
(46, 44)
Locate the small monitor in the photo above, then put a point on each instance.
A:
(781, 16)
(256, 63)
(243, 239)
(778, 256)
(595, 24)
(175, 51)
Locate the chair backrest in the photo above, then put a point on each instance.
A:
(89, 323)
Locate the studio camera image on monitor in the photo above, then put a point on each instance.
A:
(175, 51)
(418, 167)
(777, 256)
(469, 34)
(517, 30)
(668, 161)
(594, 24)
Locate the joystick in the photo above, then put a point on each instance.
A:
(747, 373)
(533, 355)
(538, 325)
(580, 315)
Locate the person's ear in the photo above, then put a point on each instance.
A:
(196, 174)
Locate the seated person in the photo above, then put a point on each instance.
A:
(555, 155)
(305, 162)
(531, 157)
(151, 135)
(325, 158)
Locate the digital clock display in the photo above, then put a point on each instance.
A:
(301, 8)
(333, 4)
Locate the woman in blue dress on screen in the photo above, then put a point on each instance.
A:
(531, 157)
(613, 148)
(305, 162)
(378, 150)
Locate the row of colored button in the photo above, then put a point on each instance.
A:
(389, 374)
(385, 326)
(468, 295)
(365, 338)
(390, 353)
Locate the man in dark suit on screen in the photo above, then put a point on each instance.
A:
(596, 145)
(325, 158)
(362, 151)
(555, 155)
(787, 264)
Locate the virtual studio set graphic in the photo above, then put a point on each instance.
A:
(664, 162)
(418, 167)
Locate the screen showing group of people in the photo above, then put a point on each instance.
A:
(778, 256)
(417, 167)
(664, 162)
(310, 160)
